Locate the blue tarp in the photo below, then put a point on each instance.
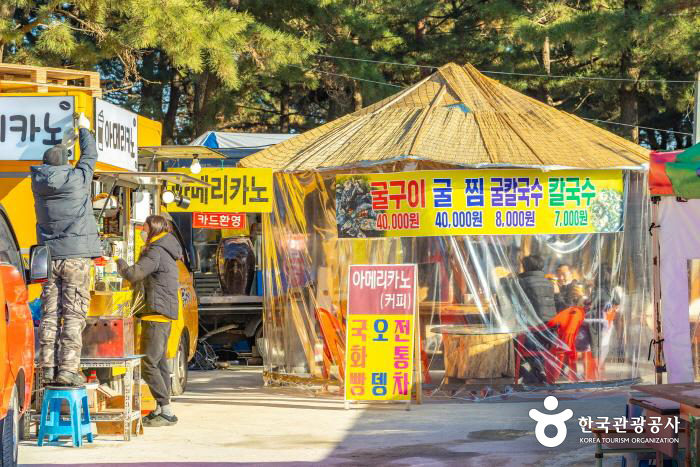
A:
(235, 146)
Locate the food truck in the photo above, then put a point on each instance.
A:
(223, 235)
(32, 122)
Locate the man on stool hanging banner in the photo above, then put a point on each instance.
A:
(66, 224)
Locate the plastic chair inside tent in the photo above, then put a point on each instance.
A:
(333, 342)
(569, 322)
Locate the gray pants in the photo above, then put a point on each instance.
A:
(155, 368)
(65, 301)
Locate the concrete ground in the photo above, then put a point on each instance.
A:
(228, 418)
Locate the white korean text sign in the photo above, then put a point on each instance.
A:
(30, 125)
(116, 135)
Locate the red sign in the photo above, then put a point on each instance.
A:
(218, 220)
(387, 289)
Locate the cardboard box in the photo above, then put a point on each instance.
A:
(116, 428)
(104, 394)
(115, 404)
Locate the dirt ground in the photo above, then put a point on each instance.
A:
(228, 418)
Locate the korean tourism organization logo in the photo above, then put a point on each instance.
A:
(544, 420)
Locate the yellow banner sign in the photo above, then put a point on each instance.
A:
(380, 337)
(479, 202)
(232, 190)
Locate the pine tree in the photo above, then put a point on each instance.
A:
(181, 56)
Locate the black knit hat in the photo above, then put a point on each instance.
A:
(56, 155)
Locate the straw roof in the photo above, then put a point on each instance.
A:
(460, 117)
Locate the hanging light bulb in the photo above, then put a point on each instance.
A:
(168, 197)
(179, 200)
(196, 167)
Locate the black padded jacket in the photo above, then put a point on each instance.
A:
(157, 269)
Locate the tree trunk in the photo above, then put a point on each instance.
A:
(545, 96)
(334, 108)
(151, 69)
(170, 122)
(681, 140)
(356, 89)
(628, 92)
(203, 115)
(284, 108)
(356, 96)
(7, 11)
(420, 44)
(651, 138)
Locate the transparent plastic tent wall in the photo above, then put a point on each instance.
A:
(306, 273)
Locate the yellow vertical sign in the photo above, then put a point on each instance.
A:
(380, 332)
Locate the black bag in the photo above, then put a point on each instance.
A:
(583, 339)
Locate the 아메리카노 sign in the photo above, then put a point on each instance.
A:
(116, 135)
(231, 190)
(31, 125)
(479, 202)
(380, 332)
(218, 220)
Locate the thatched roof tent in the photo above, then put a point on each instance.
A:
(460, 117)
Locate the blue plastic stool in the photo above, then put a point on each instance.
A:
(51, 424)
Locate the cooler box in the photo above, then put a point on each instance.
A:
(107, 336)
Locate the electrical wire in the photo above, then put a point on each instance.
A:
(637, 126)
(374, 61)
(403, 87)
(592, 78)
(348, 76)
(539, 75)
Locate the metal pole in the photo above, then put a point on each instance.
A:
(656, 277)
(696, 117)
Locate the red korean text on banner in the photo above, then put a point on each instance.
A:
(218, 220)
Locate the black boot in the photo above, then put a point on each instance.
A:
(48, 375)
(69, 378)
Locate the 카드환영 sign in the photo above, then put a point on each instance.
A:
(231, 190)
(31, 125)
(116, 134)
(381, 318)
(479, 202)
(218, 220)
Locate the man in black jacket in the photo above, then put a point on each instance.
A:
(540, 292)
(66, 224)
(538, 289)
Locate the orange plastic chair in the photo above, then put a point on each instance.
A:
(333, 342)
(569, 322)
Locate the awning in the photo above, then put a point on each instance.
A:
(228, 140)
(148, 153)
(136, 179)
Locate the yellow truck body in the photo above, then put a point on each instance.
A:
(16, 196)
